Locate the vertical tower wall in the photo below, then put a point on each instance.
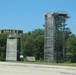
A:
(11, 51)
(53, 21)
(49, 38)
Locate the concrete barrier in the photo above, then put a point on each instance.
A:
(30, 58)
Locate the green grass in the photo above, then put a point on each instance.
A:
(49, 63)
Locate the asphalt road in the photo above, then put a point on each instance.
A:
(9, 68)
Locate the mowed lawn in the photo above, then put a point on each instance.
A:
(49, 63)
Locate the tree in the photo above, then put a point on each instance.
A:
(3, 38)
(33, 44)
(28, 44)
(39, 47)
(71, 49)
(38, 35)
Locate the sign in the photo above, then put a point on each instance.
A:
(21, 56)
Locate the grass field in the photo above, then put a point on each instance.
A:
(56, 64)
(47, 63)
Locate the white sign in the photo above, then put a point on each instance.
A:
(21, 56)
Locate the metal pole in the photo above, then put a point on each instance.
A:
(57, 43)
(63, 43)
(21, 45)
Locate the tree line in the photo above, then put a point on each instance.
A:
(33, 45)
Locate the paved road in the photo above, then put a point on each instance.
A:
(9, 68)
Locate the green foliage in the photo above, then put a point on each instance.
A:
(71, 49)
(39, 47)
(33, 44)
(59, 43)
(3, 46)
